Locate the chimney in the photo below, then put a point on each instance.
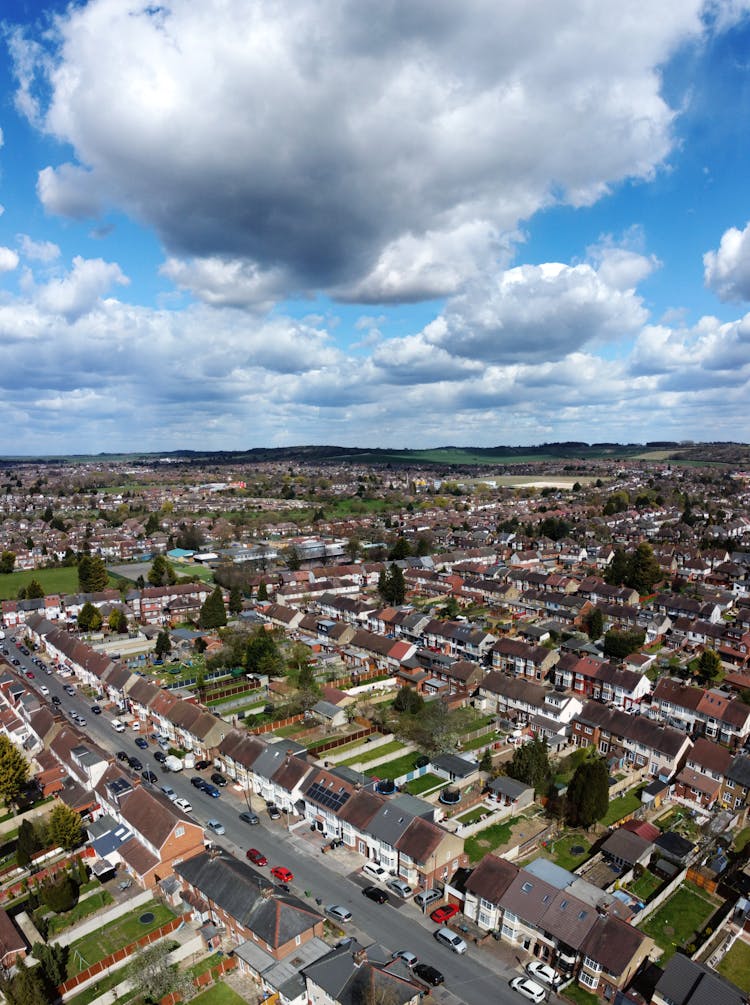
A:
(266, 892)
(359, 957)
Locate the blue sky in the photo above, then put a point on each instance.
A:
(241, 224)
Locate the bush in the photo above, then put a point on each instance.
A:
(60, 895)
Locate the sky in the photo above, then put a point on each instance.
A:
(231, 223)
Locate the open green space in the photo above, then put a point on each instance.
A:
(736, 965)
(218, 994)
(423, 784)
(678, 919)
(399, 766)
(116, 934)
(82, 910)
(487, 840)
(645, 886)
(63, 580)
(372, 755)
(622, 806)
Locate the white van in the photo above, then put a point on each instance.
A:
(375, 869)
(119, 727)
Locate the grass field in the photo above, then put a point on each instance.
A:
(736, 965)
(64, 580)
(678, 919)
(561, 851)
(117, 934)
(481, 741)
(82, 909)
(645, 886)
(487, 840)
(423, 784)
(399, 766)
(620, 807)
(219, 994)
(372, 755)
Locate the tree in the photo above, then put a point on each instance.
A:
(163, 644)
(293, 560)
(161, 572)
(65, 827)
(408, 701)
(213, 613)
(595, 624)
(152, 524)
(486, 763)
(644, 571)
(588, 793)
(235, 600)
(7, 561)
(34, 590)
(118, 621)
(14, 771)
(190, 537)
(151, 974)
(89, 618)
(53, 960)
(27, 843)
(619, 644)
(392, 586)
(262, 591)
(530, 764)
(353, 548)
(92, 574)
(617, 569)
(709, 666)
(59, 894)
(262, 655)
(25, 987)
(400, 549)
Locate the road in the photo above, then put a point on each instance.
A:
(333, 878)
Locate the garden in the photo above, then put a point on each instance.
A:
(679, 919)
(486, 841)
(117, 934)
(736, 965)
(623, 806)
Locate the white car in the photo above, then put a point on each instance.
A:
(169, 792)
(406, 957)
(375, 869)
(216, 826)
(543, 973)
(451, 940)
(400, 887)
(44, 689)
(183, 805)
(529, 989)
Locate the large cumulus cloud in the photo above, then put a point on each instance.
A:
(382, 156)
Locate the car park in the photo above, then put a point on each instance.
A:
(444, 913)
(428, 975)
(375, 893)
(182, 804)
(406, 957)
(141, 742)
(283, 874)
(96, 709)
(148, 776)
(211, 790)
(543, 973)
(250, 818)
(427, 897)
(216, 826)
(448, 938)
(339, 913)
(256, 857)
(197, 782)
(529, 989)
(218, 779)
(400, 887)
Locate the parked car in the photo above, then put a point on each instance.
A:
(218, 779)
(56, 700)
(529, 989)
(142, 742)
(543, 973)
(400, 887)
(202, 765)
(148, 776)
(135, 764)
(250, 818)
(182, 804)
(216, 826)
(376, 894)
(96, 709)
(448, 938)
(283, 874)
(339, 913)
(427, 897)
(406, 957)
(211, 790)
(197, 782)
(122, 755)
(273, 811)
(444, 913)
(375, 869)
(44, 689)
(256, 857)
(169, 792)
(161, 757)
(428, 975)
(30, 674)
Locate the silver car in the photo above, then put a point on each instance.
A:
(451, 940)
(338, 913)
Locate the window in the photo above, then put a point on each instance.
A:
(729, 784)
(592, 964)
(179, 831)
(297, 940)
(485, 905)
(527, 887)
(588, 980)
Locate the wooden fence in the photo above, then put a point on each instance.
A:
(271, 726)
(203, 980)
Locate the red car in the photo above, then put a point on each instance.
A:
(444, 913)
(30, 674)
(282, 874)
(256, 857)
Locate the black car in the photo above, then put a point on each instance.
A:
(135, 764)
(376, 894)
(141, 742)
(56, 700)
(218, 779)
(428, 975)
(160, 756)
(250, 818)
(96, 709)
(148, 776)
(202, 765)
(273, 811)
(197, 782)
(123, 755)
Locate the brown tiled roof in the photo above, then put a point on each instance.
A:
(613, 943)
(152, 815)
(710, 756)
(242, 747)
(137, 856)
(491, 878)
(361, 808)
(11, 940)
(420, 839)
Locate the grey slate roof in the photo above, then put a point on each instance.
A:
(509, 787)
(350, 983)
(686, 982)
(389, 823)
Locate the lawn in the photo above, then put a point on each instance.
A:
(622, 806)
(678, 919)
(736, 965)
(423, 784)
(98, 988)
(82, 910)
(741, 838)
(479, 723)
(578, 995)
(487, 840)
(219, 994)
(561, 851)
(372, 755)
(480, 741)
(203, 965)
(64, 580)
(473, 815)
(645, 886)
(399, 766)
(117, 934)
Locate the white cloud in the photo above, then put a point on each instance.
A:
(224, 283)
(8, 259)
(80, 290)
(727, 271)
(38, 251)
(382, 158)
